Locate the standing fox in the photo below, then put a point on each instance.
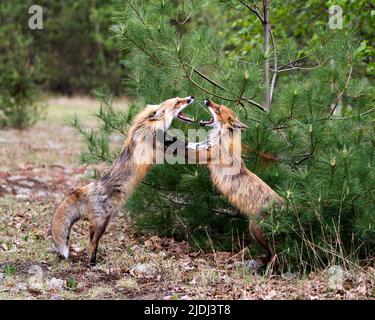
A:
(244, 190)
(100, 200)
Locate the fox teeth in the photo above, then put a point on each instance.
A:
(184, 117)
(205, 122)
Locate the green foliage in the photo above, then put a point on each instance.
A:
(72, 284)
(320, 128)
(74, 45)
(241, 32)
(9, 270)
(20, 72)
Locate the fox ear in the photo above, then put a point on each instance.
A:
(239, 125)
(157, 115)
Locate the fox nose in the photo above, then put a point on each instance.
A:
(207, 102)
(190, 99)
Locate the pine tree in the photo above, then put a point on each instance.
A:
(311, 137)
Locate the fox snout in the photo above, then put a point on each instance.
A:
(207, 102)
(191, 99)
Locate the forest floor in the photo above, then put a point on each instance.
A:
(39, 165)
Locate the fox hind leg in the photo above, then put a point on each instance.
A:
(97, 229)
(257, 233)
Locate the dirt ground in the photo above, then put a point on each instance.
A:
(39, 165)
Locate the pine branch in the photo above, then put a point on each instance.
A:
(205, 77)
(205, 90)
(184, 21)
(339, 97)
(328, 118)
(260, 107)
(136, 12)
(255, 11)
(290, 63)
(355, 116)
(228, 213)
(305, 157)
(303, 68)
(242, 90)
(153, 58)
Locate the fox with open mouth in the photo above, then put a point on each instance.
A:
(99, 201)
(244, 190)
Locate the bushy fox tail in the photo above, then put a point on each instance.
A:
(72, 208)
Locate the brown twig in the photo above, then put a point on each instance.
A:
(255, 11)
(339, 97)
(205, 77)
(306, 156)
(302, 68)
(274, 76)
(357, 115)
(207, 91)
(260, 107)
(292, 62)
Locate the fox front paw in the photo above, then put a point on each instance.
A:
(192, 146)
(200, 146)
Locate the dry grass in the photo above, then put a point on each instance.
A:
(39, 165)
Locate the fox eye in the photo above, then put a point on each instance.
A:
(218, 110)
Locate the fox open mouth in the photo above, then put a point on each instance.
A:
(205, 123)
(183, 117)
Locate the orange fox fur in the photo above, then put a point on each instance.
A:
(99, 201)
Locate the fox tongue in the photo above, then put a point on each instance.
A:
(182, 116)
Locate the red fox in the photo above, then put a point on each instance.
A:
(244, 190)
(100, 200)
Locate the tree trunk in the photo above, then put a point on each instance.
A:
(266, 48)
